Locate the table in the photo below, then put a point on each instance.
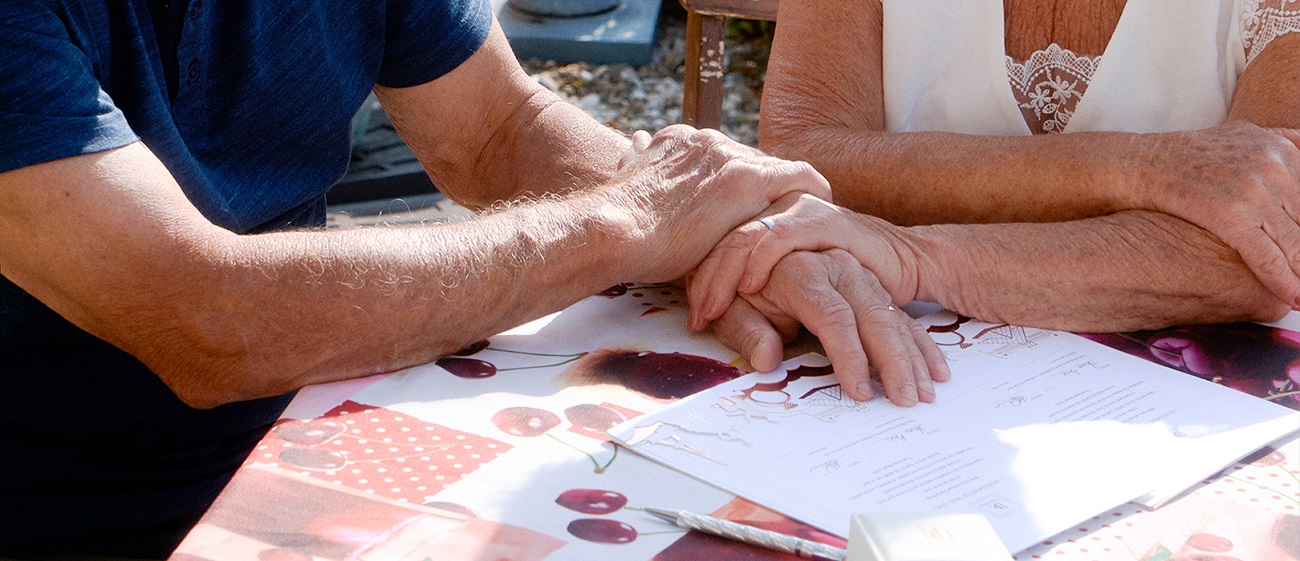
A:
(499, 453)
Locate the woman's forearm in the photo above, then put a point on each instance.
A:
(938, 177)
(1126, 271)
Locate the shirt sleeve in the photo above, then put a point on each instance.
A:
(51, 102)
(426, 39)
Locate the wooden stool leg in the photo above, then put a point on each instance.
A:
(705, 68)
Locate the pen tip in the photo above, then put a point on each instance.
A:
(662, 513)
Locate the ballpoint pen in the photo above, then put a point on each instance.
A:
(748, 534)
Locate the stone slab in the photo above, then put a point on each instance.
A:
(623, 35)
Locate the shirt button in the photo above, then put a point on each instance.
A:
(193, 73)
(195, 7)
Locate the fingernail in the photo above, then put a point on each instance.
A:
(907, 393)
(947, 373)
(926, 392)
(712, 312)
(864, 389)
(746, 284)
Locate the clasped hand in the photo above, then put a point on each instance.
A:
(792, 271)
(684, 189)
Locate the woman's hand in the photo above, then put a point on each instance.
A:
(744, 259)
(1238, 181)
(845, 306)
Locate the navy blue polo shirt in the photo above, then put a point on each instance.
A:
(97, 456)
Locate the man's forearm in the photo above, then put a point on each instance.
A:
(119, 251)
(276, 311)
(220, 317)
(1130, 270)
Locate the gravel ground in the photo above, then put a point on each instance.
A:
(650, 97)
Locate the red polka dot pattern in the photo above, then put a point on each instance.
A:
(376, 451)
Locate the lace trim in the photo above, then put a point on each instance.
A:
(1262, 21)
(1049, 86)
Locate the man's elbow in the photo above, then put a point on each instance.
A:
(205, 383)
(208, 374)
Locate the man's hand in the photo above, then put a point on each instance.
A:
(684, 189)
(844, 305)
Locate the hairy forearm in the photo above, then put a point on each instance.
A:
(273, 312)
(1130, 270)
(222, 317)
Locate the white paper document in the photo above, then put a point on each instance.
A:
(1038, 430)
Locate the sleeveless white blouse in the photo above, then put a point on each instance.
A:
(1170, 65)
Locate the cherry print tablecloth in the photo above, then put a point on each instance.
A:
(498, 453)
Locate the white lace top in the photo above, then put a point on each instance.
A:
(1170, 65)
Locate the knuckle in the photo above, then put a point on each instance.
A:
(746, 236)
(1273, 266)
(811, 201)
(676, 129)
(730, 167)
(881, 316)
(800, 260)
(715, 136)
(778, 229)
(1290, 242)
(806, 171)
(840, 256)
(837, 315)
(1242, 211)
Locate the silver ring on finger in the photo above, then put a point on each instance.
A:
(767, 221)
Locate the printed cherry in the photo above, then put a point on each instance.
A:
(659, 375)
(614, 291)
(473, 348)
(467, 367)
(602, 530)
(452, 507)
(591, 501)
(593, 418)
(308, 433)
(313, 458)
(1209, 543)
(805, 371)
(525, 421)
